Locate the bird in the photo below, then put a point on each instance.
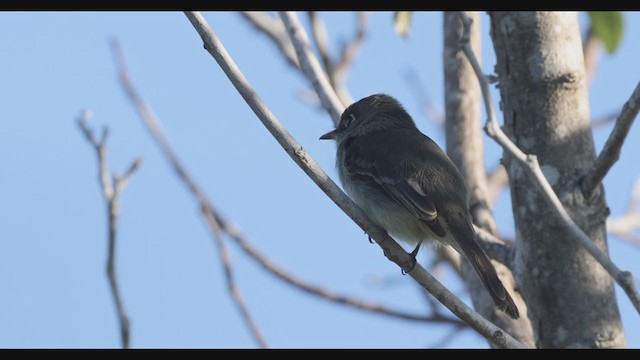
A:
(407, 184)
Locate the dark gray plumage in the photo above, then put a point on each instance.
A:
(407, 184)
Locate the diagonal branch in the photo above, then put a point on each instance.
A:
(391, 249)
(611, 151)
(153, 126)
(218, 223)
(111, 188)
(531, 165)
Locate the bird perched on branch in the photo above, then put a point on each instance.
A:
(406, 184)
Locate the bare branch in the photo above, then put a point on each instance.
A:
(311, 67)
(351, 49)
(153, 126)
(289, 278)
(319, 32)
(336, 71)
(611, 151)
(111, 189)
(217, 223)
(531, 165)
(214, 226)
(272, 27)
(391, 249)
(464, 145)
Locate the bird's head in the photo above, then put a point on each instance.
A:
(371, 114)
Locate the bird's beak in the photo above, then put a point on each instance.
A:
(331, 135)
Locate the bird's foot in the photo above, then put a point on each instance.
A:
(413, 255)
(369, 236)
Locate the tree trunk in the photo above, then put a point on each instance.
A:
(464, 147)
(571, 300)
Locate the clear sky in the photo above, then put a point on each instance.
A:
(53, 288)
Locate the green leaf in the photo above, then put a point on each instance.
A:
(607, 26)
(402, 21)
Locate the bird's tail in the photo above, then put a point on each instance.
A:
(480, 261)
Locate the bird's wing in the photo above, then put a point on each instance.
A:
(398, 181)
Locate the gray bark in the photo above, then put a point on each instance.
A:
(464, 147)
(570, 298)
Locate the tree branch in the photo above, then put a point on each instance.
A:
(352, 48)
(463, 118)
(311, 67)
(303, 285)
(611, 151)
(274, 29)
(391, 249)
(153, 126)
(111, 188)
(336, 71)
(319, 32)
(531, 165)
(217, 223)
(214, 226)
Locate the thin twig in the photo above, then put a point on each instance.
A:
(319, 32)
(272, 26)
(225, 257)
(111, 188)
(336, 71)
(311, 67)
(391, 249)
(146, 113)
(281, 274)
(217, 221)
(351, 49)
(611, 151)
(531, 165)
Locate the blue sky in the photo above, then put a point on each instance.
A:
(52, 216)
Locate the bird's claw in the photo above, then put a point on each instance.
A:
(413, 255)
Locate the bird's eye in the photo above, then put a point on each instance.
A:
(349, 120)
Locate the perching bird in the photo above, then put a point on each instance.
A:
(406, 184)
